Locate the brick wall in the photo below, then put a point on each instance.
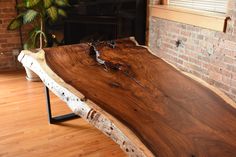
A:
(9, 40)
(208, 54)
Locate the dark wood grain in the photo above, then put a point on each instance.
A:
(173, 115)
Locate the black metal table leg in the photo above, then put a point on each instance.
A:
(57, 119)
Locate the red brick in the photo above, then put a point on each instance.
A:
(207, 54)
(8, 10)
(13, 40)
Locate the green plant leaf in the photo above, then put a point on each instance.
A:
(47, 3)
(29, 16)
(31, 3)
(14, 24)
(62, 12)
(20, 5)
(52, 13)
(28, 45)
(62, 3)
(33, 31)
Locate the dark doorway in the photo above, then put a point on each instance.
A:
(103, 20)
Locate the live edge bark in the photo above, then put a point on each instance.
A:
(88, 110)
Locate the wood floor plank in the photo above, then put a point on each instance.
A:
(25, 132)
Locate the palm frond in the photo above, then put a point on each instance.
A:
(62, 3)
(31, 3)
(47, 3)
(15, 24)
(52, 13)
(29, 16)
(62, 12)
(37, 12)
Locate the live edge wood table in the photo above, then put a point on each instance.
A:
(149, 108)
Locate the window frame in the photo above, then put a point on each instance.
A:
(204, 19)
(200, 9)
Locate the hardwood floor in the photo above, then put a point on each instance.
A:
(24, 129)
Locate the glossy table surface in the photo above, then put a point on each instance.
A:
(173, 115)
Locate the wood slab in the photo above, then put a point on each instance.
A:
(148, 107)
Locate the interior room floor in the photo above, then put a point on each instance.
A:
(25, 131)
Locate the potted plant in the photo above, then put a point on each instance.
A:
(35, 13)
